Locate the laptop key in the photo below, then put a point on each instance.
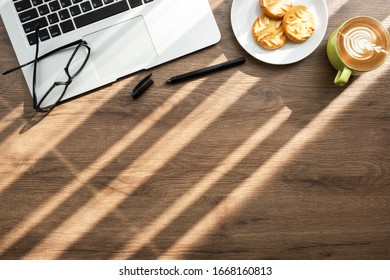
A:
(135, 3)
(75, 10)
(99, 14)
(54, 6)
(37, 2)
(28, 15)
(22, 5)
(86, 6)
(31, 38)
(54, 30)
(43, 10)
(67, 26)
(44, 34)
(97, 3)
(64, 14)
(32, 25)
(53, 18)
(65, 3)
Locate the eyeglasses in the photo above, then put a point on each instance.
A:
(74, 66)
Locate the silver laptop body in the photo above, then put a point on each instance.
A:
(141, 37)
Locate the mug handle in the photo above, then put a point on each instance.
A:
(343, 76)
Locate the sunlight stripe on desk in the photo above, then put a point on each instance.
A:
(206, 183)
(42, 146)
(9, 119)
(106, 200)
(13, 114)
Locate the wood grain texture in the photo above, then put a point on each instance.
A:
(256, 162)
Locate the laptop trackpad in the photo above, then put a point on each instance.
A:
(121, 49)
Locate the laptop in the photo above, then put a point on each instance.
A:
(125, 36)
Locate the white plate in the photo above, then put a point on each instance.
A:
(243, 15)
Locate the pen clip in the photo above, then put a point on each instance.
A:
(142, 86)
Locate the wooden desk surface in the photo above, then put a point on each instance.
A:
(257, 162)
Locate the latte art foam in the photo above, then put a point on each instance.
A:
(363, 44)
(360, 43)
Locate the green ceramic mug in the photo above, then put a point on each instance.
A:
(359, 45)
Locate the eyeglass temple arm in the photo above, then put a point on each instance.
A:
(43, 56)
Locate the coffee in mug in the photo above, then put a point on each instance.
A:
(361, 44)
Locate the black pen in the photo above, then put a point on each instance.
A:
(206, 71)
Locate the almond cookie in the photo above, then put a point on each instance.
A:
(298, 24)
(268, 32)
(276, 9)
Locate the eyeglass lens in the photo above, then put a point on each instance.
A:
(74, 66)
(77, 61)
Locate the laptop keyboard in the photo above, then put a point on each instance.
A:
(57, 17)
